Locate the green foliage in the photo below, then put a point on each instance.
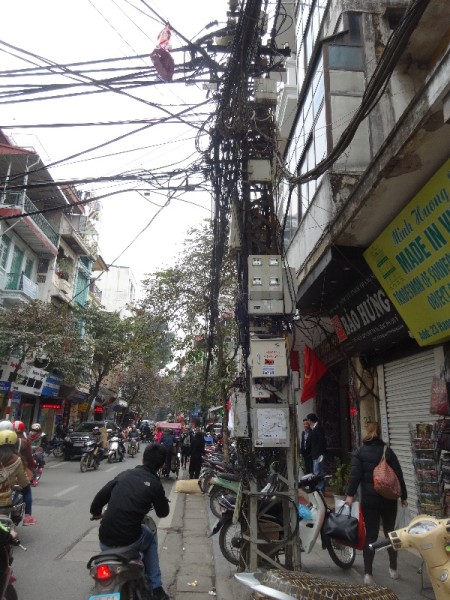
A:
(340, 477)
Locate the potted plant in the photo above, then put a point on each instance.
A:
(340, 477)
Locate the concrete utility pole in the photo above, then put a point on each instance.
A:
(243, 161)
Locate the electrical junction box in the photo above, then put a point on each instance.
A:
(266, 91)
(265, 307)
(265, 277)
(259, 170)
(259, 391)
(268, 357)
(270, 426)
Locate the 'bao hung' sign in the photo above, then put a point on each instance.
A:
(411, 260)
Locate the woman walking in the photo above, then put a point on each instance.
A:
(375, 507)
(197, 452)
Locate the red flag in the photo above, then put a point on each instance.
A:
(314, 369)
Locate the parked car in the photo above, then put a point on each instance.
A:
(74, 441)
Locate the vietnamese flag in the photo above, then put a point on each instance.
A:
(314, 369)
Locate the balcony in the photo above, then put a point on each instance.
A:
(78, 236)
(35, 230)
(96, 293)
(17, 287)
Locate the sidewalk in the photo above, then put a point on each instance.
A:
(194, 569)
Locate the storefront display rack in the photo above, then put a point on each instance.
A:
(428, 459)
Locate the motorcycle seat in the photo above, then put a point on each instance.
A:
(230, 476)
(124, 554)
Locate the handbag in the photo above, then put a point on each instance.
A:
(341, 527)
(385, 481)
(356, 511)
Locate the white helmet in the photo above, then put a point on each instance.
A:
(6, 425)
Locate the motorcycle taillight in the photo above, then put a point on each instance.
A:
(103, 572)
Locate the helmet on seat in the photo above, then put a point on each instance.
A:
(19, 426)
(35, 427)
(6, 425)
(8, 437)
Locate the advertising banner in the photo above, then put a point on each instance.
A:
(411, 260)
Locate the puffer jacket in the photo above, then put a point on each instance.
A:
(11, 472)
(364, 461)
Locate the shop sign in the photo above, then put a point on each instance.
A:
(4, 387)
(26, 379)
(411, 260)
(51, 386)
(365, 319)
(52, 405)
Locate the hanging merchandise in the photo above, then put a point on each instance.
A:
(439, 400)
(161, 57)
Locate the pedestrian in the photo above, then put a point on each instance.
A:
(375, 507)
(197, 452)
(318, 447)
(305, 446)
(185, 448)
(130, 496)
(24, 449)
(168, 441)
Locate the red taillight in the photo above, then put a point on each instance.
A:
(103, 572)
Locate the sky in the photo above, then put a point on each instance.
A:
(66, 32)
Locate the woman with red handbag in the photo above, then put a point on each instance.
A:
(374, 506)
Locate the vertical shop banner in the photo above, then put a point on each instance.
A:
(411, 260)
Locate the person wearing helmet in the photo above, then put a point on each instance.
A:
(5, 424)
(12, 471)
(98, 436)
(37, 437)
(25, 453)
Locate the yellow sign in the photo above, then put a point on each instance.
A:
(411, 260)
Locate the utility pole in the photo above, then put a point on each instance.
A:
(243, 171)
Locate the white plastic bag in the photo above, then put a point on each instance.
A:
(340, 500)
(403, 516)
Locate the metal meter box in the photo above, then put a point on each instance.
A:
(259, 170)
(265, 307)
(266, 91)
(265, 277)
(268, 358)
(270, 426)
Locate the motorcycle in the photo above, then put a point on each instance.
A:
(217, 485)
(175, 462)
(115, 454)
(119, 572)
(38, 457)
(90, 458)
(133, 447)
(55, 447)
(7, 590)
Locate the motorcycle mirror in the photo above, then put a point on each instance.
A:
(320, 459)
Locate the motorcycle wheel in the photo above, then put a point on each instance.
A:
(94, 463)
(231, 541)
(132, 451)
(214, 496)
(10, 593)
(110, 458)
(84, 464)
(58, 451)
(342, 556)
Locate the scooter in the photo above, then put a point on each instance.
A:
(7, 590)
(132, 447)
(217, 485)
(90, 456)
(55, 447)
(38, 457)
(431, 538)
(115, 454)
(119, 572)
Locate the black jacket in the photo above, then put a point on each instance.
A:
(129, 496)
(305, 444)
(318, 444)
(364, 461)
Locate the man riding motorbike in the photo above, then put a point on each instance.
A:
(129, 497)
(24, 448)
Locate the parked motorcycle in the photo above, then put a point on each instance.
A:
(218, 485)
(38, 457)
(115, 453)
(7, 590)
(90, 458)
(119, 572)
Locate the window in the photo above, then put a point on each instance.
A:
(5, 246)
(28, 267)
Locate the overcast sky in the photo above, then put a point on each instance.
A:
(66, 32)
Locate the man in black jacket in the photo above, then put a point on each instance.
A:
(130, 496)
(305, 446)
(318, 446)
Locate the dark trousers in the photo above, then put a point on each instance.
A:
(195, 466)
(387, 512)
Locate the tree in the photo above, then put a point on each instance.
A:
(49, 334)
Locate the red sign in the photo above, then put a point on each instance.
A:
(98, 409)
(48, 405)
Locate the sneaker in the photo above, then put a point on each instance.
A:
(393, 573)
(368, 579)
(29, 520)
(160, 594)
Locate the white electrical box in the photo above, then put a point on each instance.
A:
(259, 391)
(268, 358)
(265, 277)
(259, 170)
(266, 91)
(270, 426)
(265, 307)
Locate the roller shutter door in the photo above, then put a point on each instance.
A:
(407, 389)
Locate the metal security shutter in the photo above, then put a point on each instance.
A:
(407, 385)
